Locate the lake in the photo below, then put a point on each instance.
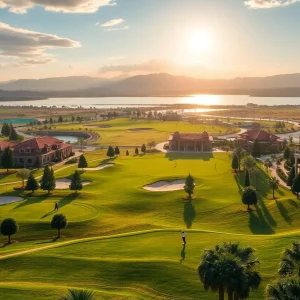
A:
(114, 102)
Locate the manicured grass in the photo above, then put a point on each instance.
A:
(118, 132)
(142, 265)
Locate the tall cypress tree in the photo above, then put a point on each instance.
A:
(189, 185)
(12, 133)
(76, 184)
(7, 161)
(256, 151)
(235, 163)
(296, 185)
(136, 151)
(48, 182)
(5, 130)
(247, 179)
(117, 151)
(82, 163)
(127, 153)
(291, 177)
(287, 153)
(110, 152)
(143, 149)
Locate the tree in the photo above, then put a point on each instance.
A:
(76, 184)
(73, 119)
(117, 151)
(286, 289)
(274, 184)
(254, 173)
(82, 142)
(51, 120)
(256, 151)
(268, 163)
(290, 262)
(292, 159)
(48, 182)
(189, 185)
(287, 153)
(136, 151)
(7, 161)
(143, 148)
(78, 295)
(127, 153)
(296, 185)
(235, 163)
(9, 227)
(23, 174)
(59, 222)
(110, 152)
(82, 163)
(249, 162)
(249, 196)
(247, 179)
(60, 119)
(5, 129)
(151, 144)
(13, 136)
(291, 177)
(230, 268)
(32, 184)
(240, 153)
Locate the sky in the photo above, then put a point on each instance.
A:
(116, 38)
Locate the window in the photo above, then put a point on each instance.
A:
(21, 150)
(29, 161)
(21, 160)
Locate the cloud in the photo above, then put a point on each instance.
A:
(65, 6)
(143, 67)
(269, 3)
(110, 23)
(30, 46)
(117, 57)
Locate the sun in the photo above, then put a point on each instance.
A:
(199, 41)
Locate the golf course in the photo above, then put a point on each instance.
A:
(124, 242)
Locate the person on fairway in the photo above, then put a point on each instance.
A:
(183, 235)
(56, 206)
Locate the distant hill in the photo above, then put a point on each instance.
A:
(54, 84)
(153, 85)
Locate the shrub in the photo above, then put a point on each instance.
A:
(281, 174)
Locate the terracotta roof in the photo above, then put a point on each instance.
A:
(5, 144)
(39, 143)
(259, 135)
(191, 136)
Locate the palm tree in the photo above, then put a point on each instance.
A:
(268, 164)
(240, 153)
(288, 289)
(229, 268)
(78, 295)
(249, 162)
(274, 184)
(290, 263)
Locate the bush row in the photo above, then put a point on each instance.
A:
(281, 174)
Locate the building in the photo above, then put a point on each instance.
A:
(191, 142)
(269, 143)
(5, 144)
(40, 151)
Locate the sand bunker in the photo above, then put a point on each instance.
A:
(139, 129)
(103, 166)
(9, 199)
(165, 186)
(62, 184)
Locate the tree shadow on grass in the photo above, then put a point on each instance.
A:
(263, 210)
(34, 199)
(258, 223)
(283, 211)
(189, 213)
(48, 214)
(48, 242)
(238, 183)
(67, 200)
(198, 155)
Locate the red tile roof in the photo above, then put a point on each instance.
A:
(259, 135)
(5, 144)
(38, 143)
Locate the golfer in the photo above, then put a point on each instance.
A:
(56, 206)
(183, 235)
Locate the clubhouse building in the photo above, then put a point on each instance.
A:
(40, 151)
(269, 143)
(197, 142)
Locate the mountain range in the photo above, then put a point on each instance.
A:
(149, 85)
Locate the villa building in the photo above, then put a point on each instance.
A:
(269, 143)
(5, 144)
(202, 142)
(40, 151)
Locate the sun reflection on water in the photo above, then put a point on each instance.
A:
(202, 100)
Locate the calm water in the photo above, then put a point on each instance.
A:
(113, 102)
(17, 121)
(71, 139)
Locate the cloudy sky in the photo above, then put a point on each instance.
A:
(108, 38)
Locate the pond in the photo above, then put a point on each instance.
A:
(70, 138)
(18, 121)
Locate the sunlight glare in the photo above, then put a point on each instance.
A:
(199, 41)
(202, 100)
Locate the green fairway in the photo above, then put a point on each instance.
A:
(141, 265)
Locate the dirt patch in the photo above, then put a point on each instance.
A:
(63, 184)
(165, 186)
(103, 166)
(139, 129)
(9, 199)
